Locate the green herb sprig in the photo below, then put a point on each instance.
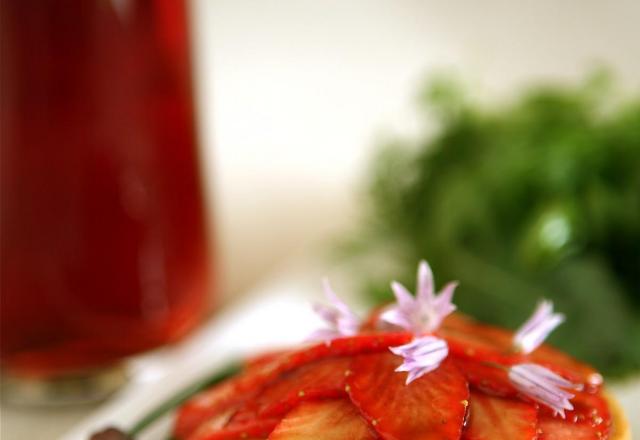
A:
(538, 198)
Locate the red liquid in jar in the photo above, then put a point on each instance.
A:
(103, 237)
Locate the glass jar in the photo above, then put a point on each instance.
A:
(104, 247)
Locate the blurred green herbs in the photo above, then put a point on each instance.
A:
(539, 198)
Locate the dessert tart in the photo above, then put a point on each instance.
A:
(414, 370)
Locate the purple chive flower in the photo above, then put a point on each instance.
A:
(425, 311)
(340, 318)
(421, 356)
(536, 329)
(543, 386)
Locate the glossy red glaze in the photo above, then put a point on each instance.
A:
(430, 408)
(468, 396)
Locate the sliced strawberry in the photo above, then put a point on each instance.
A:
(589, 418)
(590, 409)
(223, 399)
(237, 390)
(473, 336)
(477, 349)
(567, 366)
(496, 418)
(263, 359)
(257, 429)
(471, 340)
(322, 379)
(323, 420)
(593, 410)
(349, 346)
(431, 407)
(215, 404)
(554, 428)
(486, 378)
(490, 378)
(255, 378)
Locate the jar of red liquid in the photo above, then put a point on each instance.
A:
(104, 248)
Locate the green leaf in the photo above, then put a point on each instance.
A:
(536, 198)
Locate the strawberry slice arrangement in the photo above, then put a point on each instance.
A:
(413, 370)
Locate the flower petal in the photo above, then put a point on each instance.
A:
(418, 373)
(424, 312)
(328, 314)
(323, 334)
(334, 299)
(443, 302)
(543, 386)
(395, 317)
(338, 316)
(403, 296)
(552, 377)
(537, 328)
(424, 284)
(421, 356)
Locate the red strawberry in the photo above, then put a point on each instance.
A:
(258, 429)
(471, 340)
(486, 378)
(496, 418)
(554, 428)
(348, 346)
(431, 407)
(216, 400)
(323, 420)
(567, 366)
(265, 358)
(590, 418)
(263, 372)
(215, 404)
(322, 379)
(475, 342)
(473, 336)
(272, 384)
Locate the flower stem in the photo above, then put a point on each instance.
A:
(183, 395)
